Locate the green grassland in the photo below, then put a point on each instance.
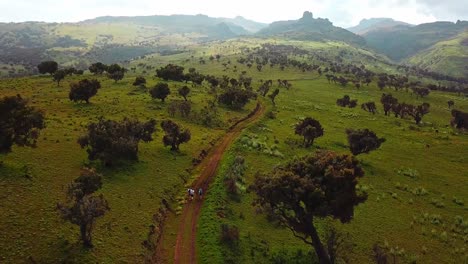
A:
(391, 214)
(449, 57)
(431, 156)
(33, 181)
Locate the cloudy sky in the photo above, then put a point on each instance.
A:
(343, 13)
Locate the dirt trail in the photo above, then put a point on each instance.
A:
(186, 224)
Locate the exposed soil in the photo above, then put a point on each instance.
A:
(185, 225)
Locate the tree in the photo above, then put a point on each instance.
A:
(115, 72)
(84, 90)
(388, 101)
(421, 92)
(235, 98)
(47, 67)
(346, 102)
(97, 68)
(160, 91)
(273, 95)
(363, 141)
(175, 135)
(310, 129)
(139, 81)
(171, 72)
(369, 107)
(111, 141)
(319, 185)
(417, 112)
(19, 123)
(59, 76)
(83, 209)
(460, 119)
(184, 91)
(450, 103)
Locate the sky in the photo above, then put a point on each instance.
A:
(343, 13)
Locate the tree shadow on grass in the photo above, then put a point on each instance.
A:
(67, 252)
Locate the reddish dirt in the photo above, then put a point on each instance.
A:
(185, 225)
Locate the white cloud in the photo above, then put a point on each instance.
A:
(342, 12)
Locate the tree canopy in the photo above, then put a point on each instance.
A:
(19, 123)
(310, 129)
(111, 141)
(49, 67)
(318, 185)
(84, 209)
(175, 135)
(160, 91)
(363, 141)
(84, 90)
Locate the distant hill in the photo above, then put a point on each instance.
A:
(401, 42)
(112, 39)
(449, 57)
(374, 24)
(215, 28)
(309, 28)
(248, 25)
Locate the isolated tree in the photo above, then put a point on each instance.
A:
(363, 141)
(49, 67)
(184, 91)
(139, 81)
(450, 103)
(58, 76)
(273, 96)
(369, 107)
(97, 68)
(310, 129)
(82, 208)
(320, 185)
(175, 135)
(19, 123)
(111, 141)
(115, 72)
(84, 90)
(160, 91)
(417, 112)
(460, 119)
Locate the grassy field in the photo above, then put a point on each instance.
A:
(431, 156)
(33, 181)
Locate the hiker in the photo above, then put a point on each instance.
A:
(200, 192)
(192, 193)
(189, 192)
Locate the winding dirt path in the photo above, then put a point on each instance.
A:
(185, 225)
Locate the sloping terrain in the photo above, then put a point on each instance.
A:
(449, 57)
(402, 42)
(311, 29)
(374, 24)
(109, 39)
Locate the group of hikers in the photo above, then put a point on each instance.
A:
(191, 193)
